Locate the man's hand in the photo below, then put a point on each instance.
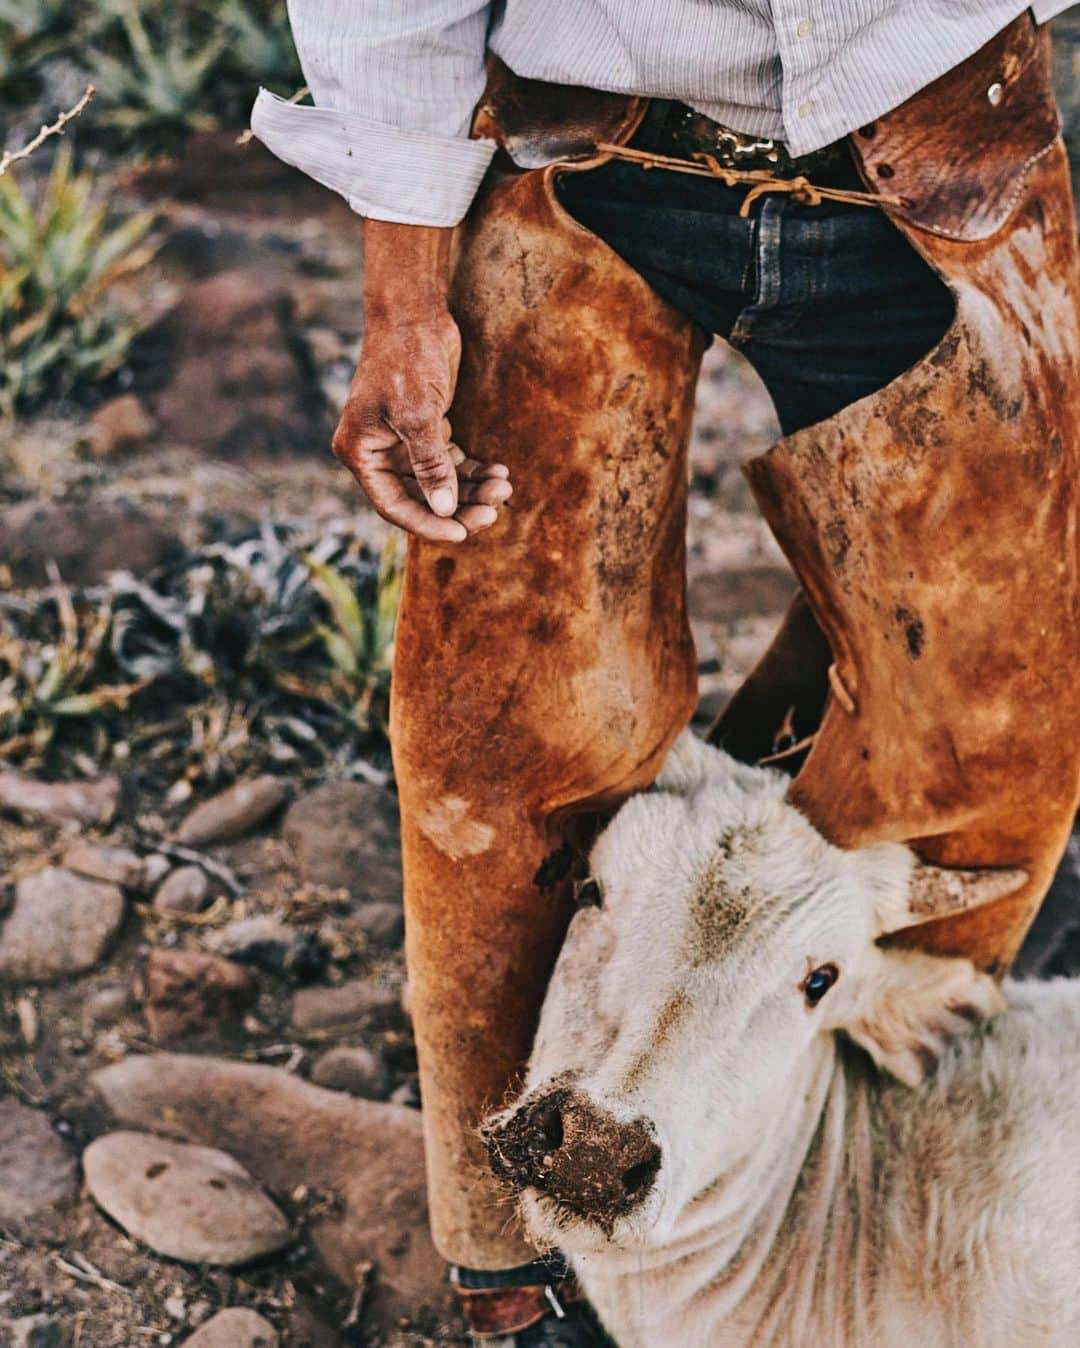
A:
(394, 435)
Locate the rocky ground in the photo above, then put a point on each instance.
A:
(209, 1126)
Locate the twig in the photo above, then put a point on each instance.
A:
(188, 854)
(245, 136)
(86, 1272)
(10, 157)
(218, 910)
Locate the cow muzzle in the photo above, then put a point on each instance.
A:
(571, 1150)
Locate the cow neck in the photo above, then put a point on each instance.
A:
(780, 1248)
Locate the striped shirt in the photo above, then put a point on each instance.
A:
(395, 82)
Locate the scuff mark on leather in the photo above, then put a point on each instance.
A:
(445, 823)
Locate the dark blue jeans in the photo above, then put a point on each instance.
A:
(828, 303)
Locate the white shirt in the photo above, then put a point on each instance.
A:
(395, 82)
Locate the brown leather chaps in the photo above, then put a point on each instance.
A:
(543, 668)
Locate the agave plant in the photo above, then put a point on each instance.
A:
(274, 646)
(60, 678)
(59, 254)
(30, 31)
(260, 49)
(158, 78)
(361, 644)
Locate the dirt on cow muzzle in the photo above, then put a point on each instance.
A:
(573, 1151)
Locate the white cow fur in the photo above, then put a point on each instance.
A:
(805, 1197)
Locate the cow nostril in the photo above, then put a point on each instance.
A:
(641, 1175)
(551, 1126)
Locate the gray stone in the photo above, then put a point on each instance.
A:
(116, 865)
(345, 835)
(267, 942)
(239, 810)
(235, 1328)
(193, 997)
(358, 1071)
(288, 1132)
(37, 1172)
(192, 1203)
(184, 890)
(382, 923)
(60, 925)
(89, 802)
(106, 1005)
(322, 1008)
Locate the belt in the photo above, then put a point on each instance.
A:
(684, 131)
(676, 138)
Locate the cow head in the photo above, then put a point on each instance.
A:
(720, 944)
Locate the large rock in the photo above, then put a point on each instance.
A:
(86, 539)
(116, 865)
(222, 371)
(90, 802)
(60, 925)
(235, 1328)
(234, 812)
(328, 1008)
(37, 1172)
(191, 1203)
(288, 1133)
(346, 835)
(382, 923)
(195, 998)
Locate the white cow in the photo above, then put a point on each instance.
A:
(749, 1123)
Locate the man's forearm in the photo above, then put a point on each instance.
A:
(406, 271)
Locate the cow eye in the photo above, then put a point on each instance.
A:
(588, 894)
(819, 981)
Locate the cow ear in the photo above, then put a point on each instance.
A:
(689, 764)
(934, 892)
(913, 1005)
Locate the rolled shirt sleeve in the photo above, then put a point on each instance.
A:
(394, 86)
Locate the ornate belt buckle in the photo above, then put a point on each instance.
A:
(735, 150)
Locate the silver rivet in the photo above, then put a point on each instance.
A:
(995, 94)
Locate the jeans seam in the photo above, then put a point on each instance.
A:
(765, 250)
(770, 245)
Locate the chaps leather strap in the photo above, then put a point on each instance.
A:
(492, 1312)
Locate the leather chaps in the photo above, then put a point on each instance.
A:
(543, 668)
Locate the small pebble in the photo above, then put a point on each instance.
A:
(185, 890)
(358, 1071)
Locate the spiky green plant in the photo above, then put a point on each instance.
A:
(62, 679)
(158, 78)
(59, 254)
(260, 49)
(361, 644)
(273, 646)
(30, 31)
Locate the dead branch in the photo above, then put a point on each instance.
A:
(10, 157)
